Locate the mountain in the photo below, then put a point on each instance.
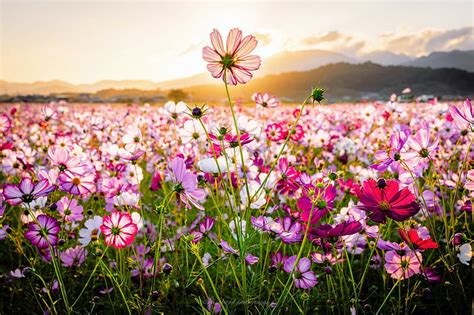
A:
(284, 62)
(301, 60)
(344, 80)
(453, 59)
(386, 58)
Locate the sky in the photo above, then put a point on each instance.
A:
(87, 41)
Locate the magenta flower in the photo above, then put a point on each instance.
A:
(384, 199)
(341, 229)
(27, 191)
(275, 132)
(44, 232)
(288, 178)
(402, 266)
(186, 184)
(304, 278)
(251, 259)
(316, 202)
(73, 256)
(119, 229)
(233, 62)
(77, 184)
(69, 209)
(463, 115)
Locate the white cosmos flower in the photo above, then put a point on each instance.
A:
(137, 219)
(90, 231)
(127, 199)
(465, 253)
(247, 125)
(257, 201)
(192, 130)
(175, 109)
(210, 165)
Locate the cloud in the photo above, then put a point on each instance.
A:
(191, 48)
(263, 39)
(326, 38)
(428, 41)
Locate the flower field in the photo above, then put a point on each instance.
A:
(257, 208)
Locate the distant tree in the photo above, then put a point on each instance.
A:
(177, 95)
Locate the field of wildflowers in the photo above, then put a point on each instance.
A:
(268, 208)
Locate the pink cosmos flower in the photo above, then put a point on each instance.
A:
(233, 62)
(5, 123)
(303, 276)
(69, 209)
(118, 229)
(27, 191)
(77, 184)
(463, 115)
(403, 266)
(44, 232)
(186, 184)
(421, 147)
(391, 154)
(265, 100)
(73, 256)
(60, 158)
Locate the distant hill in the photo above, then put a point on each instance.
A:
(386, 58)
(452, 59)
(284, 62)
(350, 80)
(301, 60)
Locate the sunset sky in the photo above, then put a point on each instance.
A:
(87, 41)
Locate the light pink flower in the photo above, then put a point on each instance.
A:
(265, 100)
(402, 266)
(77, 184)
(232, 62)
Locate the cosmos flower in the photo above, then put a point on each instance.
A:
(412, 238)
(119, 229)
(265, 100)
(463, 115)
(61, 158)
(5, 123)
(77, 184)
(403, 266)
(73, 256)
(186, 184)
(91, 230)
(316, 202)
(465, 253)
(382, 199)
(303, 277)
(70, 209)
(275, 132)
(392, 153)
(420, 147)
(175, 109)
(43, 232)
(251, 259)
(27, 191)
(233, 62)
(341, 229)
